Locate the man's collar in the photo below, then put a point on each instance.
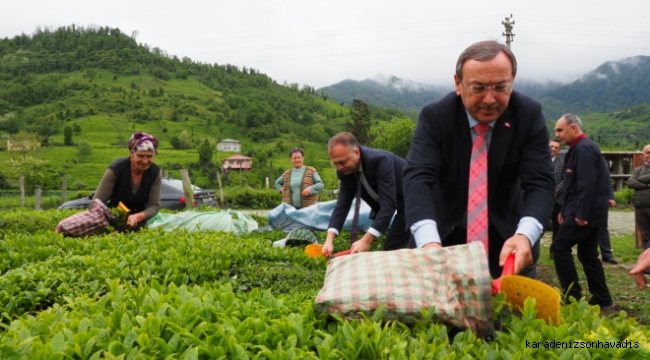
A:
(578, 139)
(473, 122)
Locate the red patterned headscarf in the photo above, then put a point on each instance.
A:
(143, 142)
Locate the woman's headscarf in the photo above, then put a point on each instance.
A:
(143, 142)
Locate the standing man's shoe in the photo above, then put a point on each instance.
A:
(610, 261)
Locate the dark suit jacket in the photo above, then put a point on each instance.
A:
(520, 173)
(558, 176)
(587, 185)
(383, 171)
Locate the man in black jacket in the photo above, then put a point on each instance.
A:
(583, 214)
(439, 192)
(376, 177)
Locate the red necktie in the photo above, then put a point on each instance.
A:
(477, 210)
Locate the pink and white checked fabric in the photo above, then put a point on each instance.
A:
(477, 210)
(89, 222)
(453, 281)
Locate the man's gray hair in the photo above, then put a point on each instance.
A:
(483, 51)
(572, 119)
(346, 139)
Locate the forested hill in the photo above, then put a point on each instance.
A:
(54, 76)
(391, 92)
(612, 86)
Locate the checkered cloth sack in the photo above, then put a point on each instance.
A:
(90, 222)
(455, 280)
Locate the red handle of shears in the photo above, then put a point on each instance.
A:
(508, 269)
(346, 252)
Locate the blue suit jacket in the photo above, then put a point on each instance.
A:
(520, 173)
(383, 171)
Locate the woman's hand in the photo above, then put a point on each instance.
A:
(306, 192)
(134, 219)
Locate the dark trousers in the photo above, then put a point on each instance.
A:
(555, 224)
(642, 219)
(495, 243)
(604, 244)
(398, 235)
(586, 238)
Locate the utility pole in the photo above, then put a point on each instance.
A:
(510, 37)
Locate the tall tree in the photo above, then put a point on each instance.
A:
(205, 153)
(67, 136)
(395, 137)
(359, 123)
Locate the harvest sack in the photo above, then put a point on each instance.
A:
(90, 222)
(455, 280)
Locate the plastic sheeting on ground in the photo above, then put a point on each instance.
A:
(231, 221)
(315, 217)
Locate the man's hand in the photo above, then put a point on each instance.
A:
(560, 218)
(328, 247)
(306, 192)
(520, 246)
(363, 244)
(433, 245)
(581, 222)
(612, 203)
(641, 264)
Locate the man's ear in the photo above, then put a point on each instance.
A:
(457, 84)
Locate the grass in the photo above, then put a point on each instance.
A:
(624, 292)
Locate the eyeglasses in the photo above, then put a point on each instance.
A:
(500, 88)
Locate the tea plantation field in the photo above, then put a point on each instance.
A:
(211, 295)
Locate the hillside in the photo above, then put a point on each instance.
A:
(389, 92)
(105, 86)
(613, 85)
(623, 129)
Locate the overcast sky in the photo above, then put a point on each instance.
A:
(320, 43)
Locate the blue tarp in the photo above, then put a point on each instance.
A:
(315, 217)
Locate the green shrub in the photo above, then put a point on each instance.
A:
(624, 196)
(249, 198)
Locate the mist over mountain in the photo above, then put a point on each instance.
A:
(536, 89)
(611, 86)
(385, 91)
(408, 95)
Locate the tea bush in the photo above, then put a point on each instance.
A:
(212, 295)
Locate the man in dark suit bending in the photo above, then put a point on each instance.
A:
(479, 167)
(376, 177)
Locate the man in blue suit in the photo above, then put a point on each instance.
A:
(520, 183)
(376, 177)
(586, 201)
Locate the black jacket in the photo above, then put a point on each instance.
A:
(520, 173)
(383, 171)
(587, 185)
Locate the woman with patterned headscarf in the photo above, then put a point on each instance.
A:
(300, 185)
(134, 180)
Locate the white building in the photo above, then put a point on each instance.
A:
(229, 145)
